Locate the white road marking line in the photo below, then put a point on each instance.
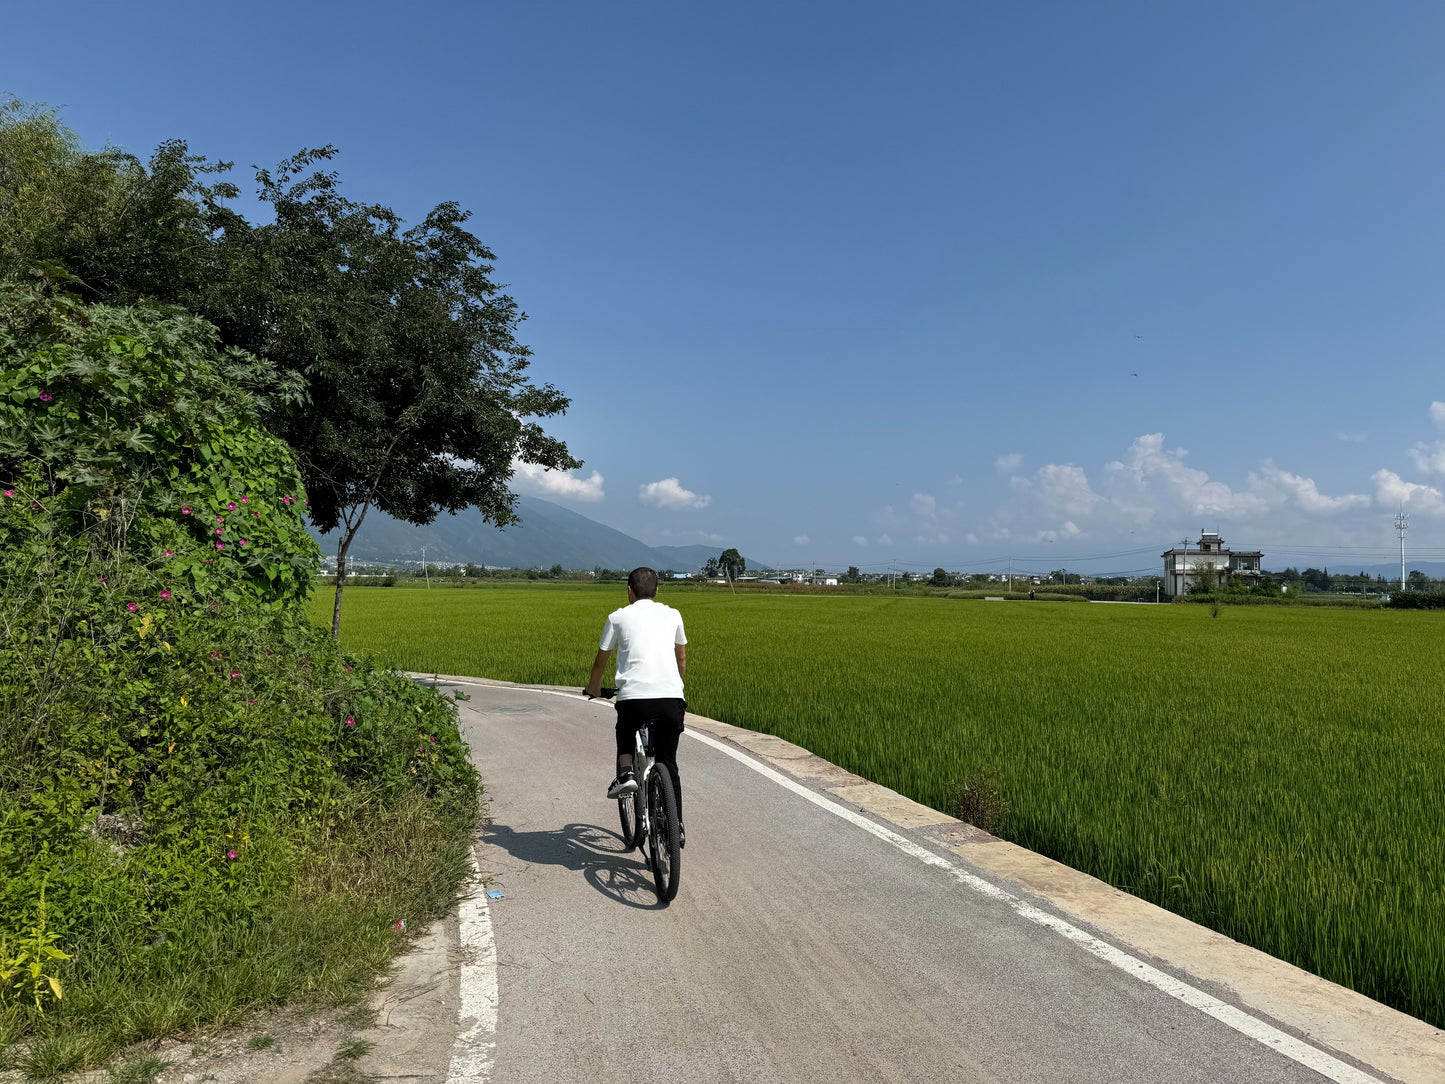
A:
(476, 1042)
(1252, 1027)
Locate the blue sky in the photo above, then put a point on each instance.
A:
(891, 284)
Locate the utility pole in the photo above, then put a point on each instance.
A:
(1184, 569)
(1402, 524)
(424, 571)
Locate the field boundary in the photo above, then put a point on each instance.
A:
(1331, 1015)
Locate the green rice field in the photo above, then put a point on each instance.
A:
(1275, 773)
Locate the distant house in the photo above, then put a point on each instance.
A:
(1184, 565)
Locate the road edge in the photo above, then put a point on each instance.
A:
(1374, 1035)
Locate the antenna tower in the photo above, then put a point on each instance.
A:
(1402, 524)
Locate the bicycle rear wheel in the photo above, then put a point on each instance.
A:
(663, 845)
(629, 812)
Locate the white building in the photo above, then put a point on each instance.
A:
(1183, 566)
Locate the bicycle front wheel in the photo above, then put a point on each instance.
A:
(629, 812)
(663, 843)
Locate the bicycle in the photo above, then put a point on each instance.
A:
(650, 814)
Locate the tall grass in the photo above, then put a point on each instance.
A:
(1275, 774)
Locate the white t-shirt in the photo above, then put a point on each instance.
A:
(644, 634)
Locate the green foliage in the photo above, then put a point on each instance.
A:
(27, 964)
(1284, 796)
(176, 738)
(1417, 600)
(731, 563)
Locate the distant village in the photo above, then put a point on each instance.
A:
(1207, 565)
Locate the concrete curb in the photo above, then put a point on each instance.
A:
(1372, 1034)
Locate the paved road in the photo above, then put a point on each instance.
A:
(799, 948)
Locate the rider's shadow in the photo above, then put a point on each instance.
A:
(599, 854)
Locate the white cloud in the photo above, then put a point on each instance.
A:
(1147, 469)
(1065, 486)
(669, 493)
(1008, 464)
(884, 540)
(1067, 530)
(1353, 438)
(956, 480)
(971, 538)
(925, 505)
(801, 540)
(1305, 495)
(1391, 491)
(1429, 458)
(860, 540)
(540, 482)
(1437, 413)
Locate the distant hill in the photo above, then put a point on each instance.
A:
(548, 535)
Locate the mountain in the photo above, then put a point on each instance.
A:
(548, 535)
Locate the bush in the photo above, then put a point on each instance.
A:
(1417, 600)
(176, 738)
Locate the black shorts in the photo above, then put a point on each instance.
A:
(661, 715)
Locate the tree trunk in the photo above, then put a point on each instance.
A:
(342, 547)
(340, 583)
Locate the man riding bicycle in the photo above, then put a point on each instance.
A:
(651, 658)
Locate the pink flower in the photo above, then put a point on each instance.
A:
(245, 500)
(45, 397)
(269, 651)
(220, 530)
(9, 493)
(256, 515)
(170, 553)
(230, 506)
(165, 594)
(350, 720)
(235, 674)
(215, 654)
(430, 738)
(348, 667)
(232, 855)
(244, 541)
(250, 701)
(185, 511)
(102, 579)
(220, 519)
(220, 545)
(132, 607)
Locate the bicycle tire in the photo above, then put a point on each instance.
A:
(663, 844)
(629, 812)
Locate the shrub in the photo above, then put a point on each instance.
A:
(175, 736)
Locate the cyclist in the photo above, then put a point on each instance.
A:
(651, 658)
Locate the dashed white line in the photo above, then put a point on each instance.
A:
(477, 1035)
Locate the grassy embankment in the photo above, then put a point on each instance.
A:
(206, 807)
(1276, 773)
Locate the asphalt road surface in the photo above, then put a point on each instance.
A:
(800, 947)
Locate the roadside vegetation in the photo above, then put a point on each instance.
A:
(206, 806)
(1274, 773)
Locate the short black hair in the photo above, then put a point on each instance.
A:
(643, 582)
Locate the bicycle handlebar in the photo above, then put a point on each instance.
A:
(607, 693)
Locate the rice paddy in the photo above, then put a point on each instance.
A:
(1277, 774)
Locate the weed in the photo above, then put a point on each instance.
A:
(261, 1042)
(978, 801)
(141, 1070)
(355, 1050)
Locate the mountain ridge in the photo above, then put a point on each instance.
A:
(548, 535)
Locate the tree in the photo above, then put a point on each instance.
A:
(1417, 580)
(712, 570)
(732, 564)
(851, 576)
(941, 578)
(1206, 579)
(419, 401)
(413, 394)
